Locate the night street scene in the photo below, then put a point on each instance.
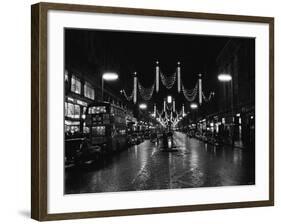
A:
(155, 111)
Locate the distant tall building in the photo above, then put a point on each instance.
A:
(238, 60)
(236, 98)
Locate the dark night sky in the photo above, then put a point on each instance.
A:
(126, 52)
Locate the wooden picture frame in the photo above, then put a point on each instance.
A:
(39, 108)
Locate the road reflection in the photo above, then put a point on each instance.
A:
(147, 166)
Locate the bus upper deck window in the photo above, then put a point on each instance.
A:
(98, 131)
(97, 109)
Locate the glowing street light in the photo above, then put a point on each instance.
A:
(228, 78)
(224, 77)
(108, 76)
(169, 99)
(143, 106)
(193, 106)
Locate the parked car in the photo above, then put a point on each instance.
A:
(140, 138)
(133, 139)
(72, 148)
(89, 154)
(78, 152)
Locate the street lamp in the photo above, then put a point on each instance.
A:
(143, 106)
(169, 99)
(224, 77)
(108, 76)
(193, 106)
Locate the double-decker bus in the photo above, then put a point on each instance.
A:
(107, 126)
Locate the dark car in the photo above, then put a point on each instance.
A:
(78, 151)
(133, 139)
(140, 138)
(89, 154)
(72, 147)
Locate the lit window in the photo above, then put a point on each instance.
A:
(76, 111)
(89, 91)
(97, 110)
(98, 131)
(82, 103)
(75, 85)
(72, 110)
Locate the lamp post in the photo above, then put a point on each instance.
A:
(108, 76)
(194, 107)
(226, 78)
(143, 106)
(169, 99)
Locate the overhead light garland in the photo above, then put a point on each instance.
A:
(146, 93)
(207, 99)
(128, 97)
(179, 77)
(168, 80)
(190, 94)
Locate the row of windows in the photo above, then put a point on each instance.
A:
(74, 127)
(98, 131)
(117, 112)
(71, 110)
(97, 110)
(89, 91)
(101, 131)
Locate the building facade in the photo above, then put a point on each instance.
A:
(81, 91)
(236, 98)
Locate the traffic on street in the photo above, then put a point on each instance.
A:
(187, 162)
(152, 111)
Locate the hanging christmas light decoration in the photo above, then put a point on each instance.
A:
(128, 97)
(146, 93)
(200, 88)
(154, 110)
(159, 114)
(169, 99)
(191, 94)
(157, 76)
(135, 87)
(179, 77)
(207, 99)
(168, 80)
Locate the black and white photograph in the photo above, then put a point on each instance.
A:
(157, 111)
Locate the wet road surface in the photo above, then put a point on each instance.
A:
(191, 163)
